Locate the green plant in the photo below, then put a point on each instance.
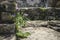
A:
(19, 22)
(22, 35)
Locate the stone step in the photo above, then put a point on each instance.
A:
(7, 28)
(36, 23)
(7, 32)
(7, 37)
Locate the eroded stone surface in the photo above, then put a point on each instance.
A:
(41, 33)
